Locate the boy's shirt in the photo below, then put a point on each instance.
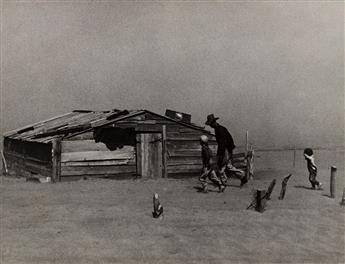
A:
(310, 163)
(206, 155)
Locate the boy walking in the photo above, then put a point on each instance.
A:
(208, 170)
(312, 169)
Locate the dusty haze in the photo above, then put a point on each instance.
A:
(275, 69)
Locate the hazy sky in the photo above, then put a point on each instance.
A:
(273, 68)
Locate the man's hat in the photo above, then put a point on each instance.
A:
(211, 119)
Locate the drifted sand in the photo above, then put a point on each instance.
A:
(109, 221)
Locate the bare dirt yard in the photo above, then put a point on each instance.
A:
(110, 221)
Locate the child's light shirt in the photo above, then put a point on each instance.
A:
(310, 162)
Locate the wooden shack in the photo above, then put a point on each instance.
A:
(136, 143)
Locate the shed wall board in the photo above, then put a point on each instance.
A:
(25, 158)
(150, 155)
(22, 167)
(84, 136)
(178, 152)
(88, 158)
(183, 150)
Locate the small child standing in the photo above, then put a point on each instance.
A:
(208, 170)
(309, 157)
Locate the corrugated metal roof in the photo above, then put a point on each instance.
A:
(78, 122)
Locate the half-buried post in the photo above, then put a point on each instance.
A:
(260, 200)
(332, 181)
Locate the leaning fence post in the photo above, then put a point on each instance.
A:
(332, 181)
(283, 189)
(270, 189)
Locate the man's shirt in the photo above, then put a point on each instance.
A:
(224, 140)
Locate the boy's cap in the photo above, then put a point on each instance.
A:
(203, 138)
(308, 151)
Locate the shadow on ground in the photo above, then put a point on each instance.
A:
(200, 189)
(304, 187)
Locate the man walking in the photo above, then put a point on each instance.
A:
(225, 149)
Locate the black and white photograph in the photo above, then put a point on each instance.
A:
(196, 131)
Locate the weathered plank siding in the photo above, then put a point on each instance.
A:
(86, 158)
(83, 136)
(184, 150)
(150, 155)
(25, 159)
(65, 148)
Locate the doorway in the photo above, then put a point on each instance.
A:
(149, 155)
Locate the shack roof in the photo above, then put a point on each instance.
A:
(79, 122)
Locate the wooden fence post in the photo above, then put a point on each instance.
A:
(164, 150)
(56, 159)
(247, 174)
(260, 200)
(249, 164)
(247, 137)
(283, 189)
(342, 202)
(4, 163)
(332, 181)
(270, 189)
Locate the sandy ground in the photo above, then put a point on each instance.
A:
(109, 221)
